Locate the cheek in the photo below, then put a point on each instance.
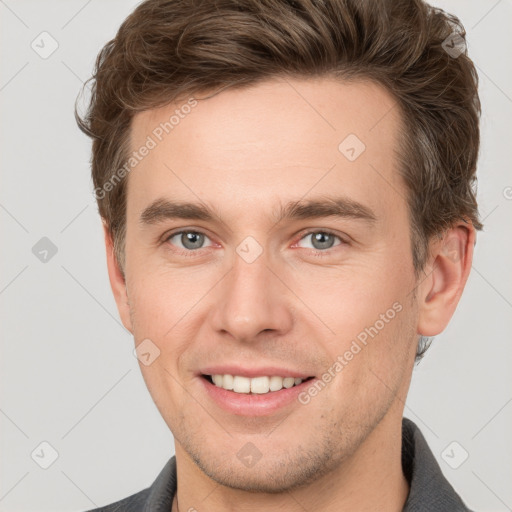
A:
(352, 298)
(160, 298)
(373, 361)
(369, 315)
(165, 308)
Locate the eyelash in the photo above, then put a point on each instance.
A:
(315, 252)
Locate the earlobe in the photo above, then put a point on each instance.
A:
(439, 293)
(117, 281)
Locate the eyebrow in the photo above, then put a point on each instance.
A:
(342, 207)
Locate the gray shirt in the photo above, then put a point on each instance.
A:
(429, 489)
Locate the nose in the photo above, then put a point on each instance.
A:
(252, 299)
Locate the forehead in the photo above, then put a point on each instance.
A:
(275, 139)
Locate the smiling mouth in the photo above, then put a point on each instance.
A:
(255, 385)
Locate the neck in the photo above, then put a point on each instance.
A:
(370, 479)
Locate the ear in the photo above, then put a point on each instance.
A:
(117, 281)
(439, 294)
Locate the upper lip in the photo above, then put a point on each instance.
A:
(250, 372)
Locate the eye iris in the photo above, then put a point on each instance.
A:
(193, 240)
(325, 240)
(196, 239)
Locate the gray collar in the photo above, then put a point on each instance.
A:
(429, 489)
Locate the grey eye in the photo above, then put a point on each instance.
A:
(321, 240)
(189, 240)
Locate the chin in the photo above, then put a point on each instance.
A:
(278, 473)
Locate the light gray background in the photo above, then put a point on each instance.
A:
(68, 376)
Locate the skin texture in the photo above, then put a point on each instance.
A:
(243, 153)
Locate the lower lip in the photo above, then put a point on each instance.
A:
(245, 404)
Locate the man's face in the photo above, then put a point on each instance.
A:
(245, 294)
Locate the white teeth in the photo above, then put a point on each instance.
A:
(276, 383)
(288, 382)
(227, 382)
(258, 385)
(241, 384)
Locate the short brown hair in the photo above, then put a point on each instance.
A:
(169, 49)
